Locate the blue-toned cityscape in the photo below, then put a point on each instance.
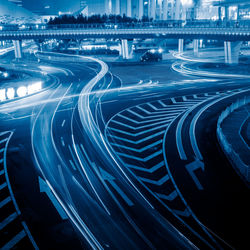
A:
(124, 124)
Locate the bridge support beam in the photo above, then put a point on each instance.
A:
(232, 51)
(126, 49)
(180, 45)
(17, 48)
(196, 46)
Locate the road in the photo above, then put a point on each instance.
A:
(101, 154)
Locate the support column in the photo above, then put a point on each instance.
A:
(177, 12)
(232, 51)
(180, 45)
(226, 13)
(126, 49)
(196, 46)
(18, 48)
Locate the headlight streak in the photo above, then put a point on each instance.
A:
(96, 137)
(70, 211)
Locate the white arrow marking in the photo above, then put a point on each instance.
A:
(191, 167)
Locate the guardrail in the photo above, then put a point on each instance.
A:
(226, 146)
(137, 25)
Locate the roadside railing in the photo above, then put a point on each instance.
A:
(232, 155)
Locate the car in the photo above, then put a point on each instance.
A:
(152, 56)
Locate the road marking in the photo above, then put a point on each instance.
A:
(184, 213)
(108, 177)
(2, 186)
(1, 150)
(147, 170)
(1, 172)
(169, 197)
(139, 158)
(191, 167)
(63, 123)
(139, 127)
(14, 240)
(62, 141)
(173, 100)
(154, 182)
(44, 188)
(140, 150)
(4, 140)
(72, 164)
(184, 98)
(138, 133)
(5, 201)
(8, 220)
(162, 103)
(139, 141)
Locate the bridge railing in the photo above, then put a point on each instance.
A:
(134, 25)
(232, 155)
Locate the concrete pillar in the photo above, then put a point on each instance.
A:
(17, 48)
(226, 13)
(126, 49)
(196, 46)
(232, 51)
(129, 8)
(219, 13)
(180, 45)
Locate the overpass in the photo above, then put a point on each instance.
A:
(231, 36)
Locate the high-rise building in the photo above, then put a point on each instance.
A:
(17, 2)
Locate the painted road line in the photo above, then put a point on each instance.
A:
(2, 186)
(5, 201)
(154, 182)
(4, 140)
(140, 150)
(139, 141)
(8, 220)
(142, 122)
(169, 197)
(108, 177)
(138, 133)
(63, 123)
(139, 158)
(162, 103)
(173, 100)
(44, 188)
(1, 172)
(72, 164)
(1, 150)
(147, 170)
(14, 240)
(137, 128)
(62, 141)
(184, 213)
(191, 167)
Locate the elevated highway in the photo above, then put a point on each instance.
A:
(225, 34)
